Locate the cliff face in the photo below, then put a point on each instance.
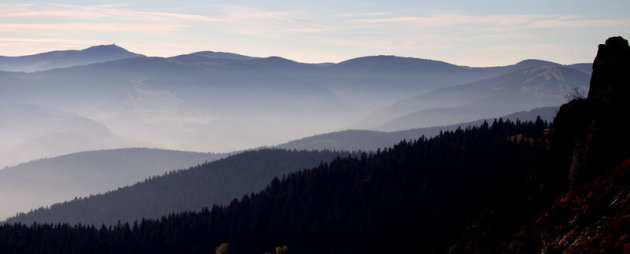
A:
(579, 199)
(588, 167)
(592, 134)
(610, 78)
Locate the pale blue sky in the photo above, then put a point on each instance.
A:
(475, 33)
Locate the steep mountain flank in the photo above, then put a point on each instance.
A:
(47, 181)
(211, 183)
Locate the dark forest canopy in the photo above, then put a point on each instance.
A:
(414, 197)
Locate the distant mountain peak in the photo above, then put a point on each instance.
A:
(66, 58)
(528, 63)
(279, 59)
(222, 55)
(112, 46)
(111, 50)
(383, 58)
(390, 62)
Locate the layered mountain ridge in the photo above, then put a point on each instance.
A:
(215, 96)
(475, 187)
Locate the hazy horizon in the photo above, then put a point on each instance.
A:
(487, 33)
(270, 56)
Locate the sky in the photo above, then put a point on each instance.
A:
(472, 33)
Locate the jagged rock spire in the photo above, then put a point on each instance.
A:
(604, 112)
(611, 70)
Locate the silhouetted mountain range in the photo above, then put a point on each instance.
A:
(47, 181)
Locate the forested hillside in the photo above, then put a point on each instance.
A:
(184, 190)
(416, 196)
(367, 140)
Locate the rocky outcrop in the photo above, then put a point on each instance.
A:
(578, 201)
(587, 168)
(592, 134)
(610, 78)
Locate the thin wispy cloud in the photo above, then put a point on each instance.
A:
(235, 13)
(93, 27)
(310, 30)
(363, 14)
(262, 23)
(324, 33)
(114, 19)
(97, 12)
(580, 23)
(541, 21)
(40, 40)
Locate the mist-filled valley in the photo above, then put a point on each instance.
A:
(221, 102)
(214, 103)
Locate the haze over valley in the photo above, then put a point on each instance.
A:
(222, 102)
(214, 103)
(286, 127)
